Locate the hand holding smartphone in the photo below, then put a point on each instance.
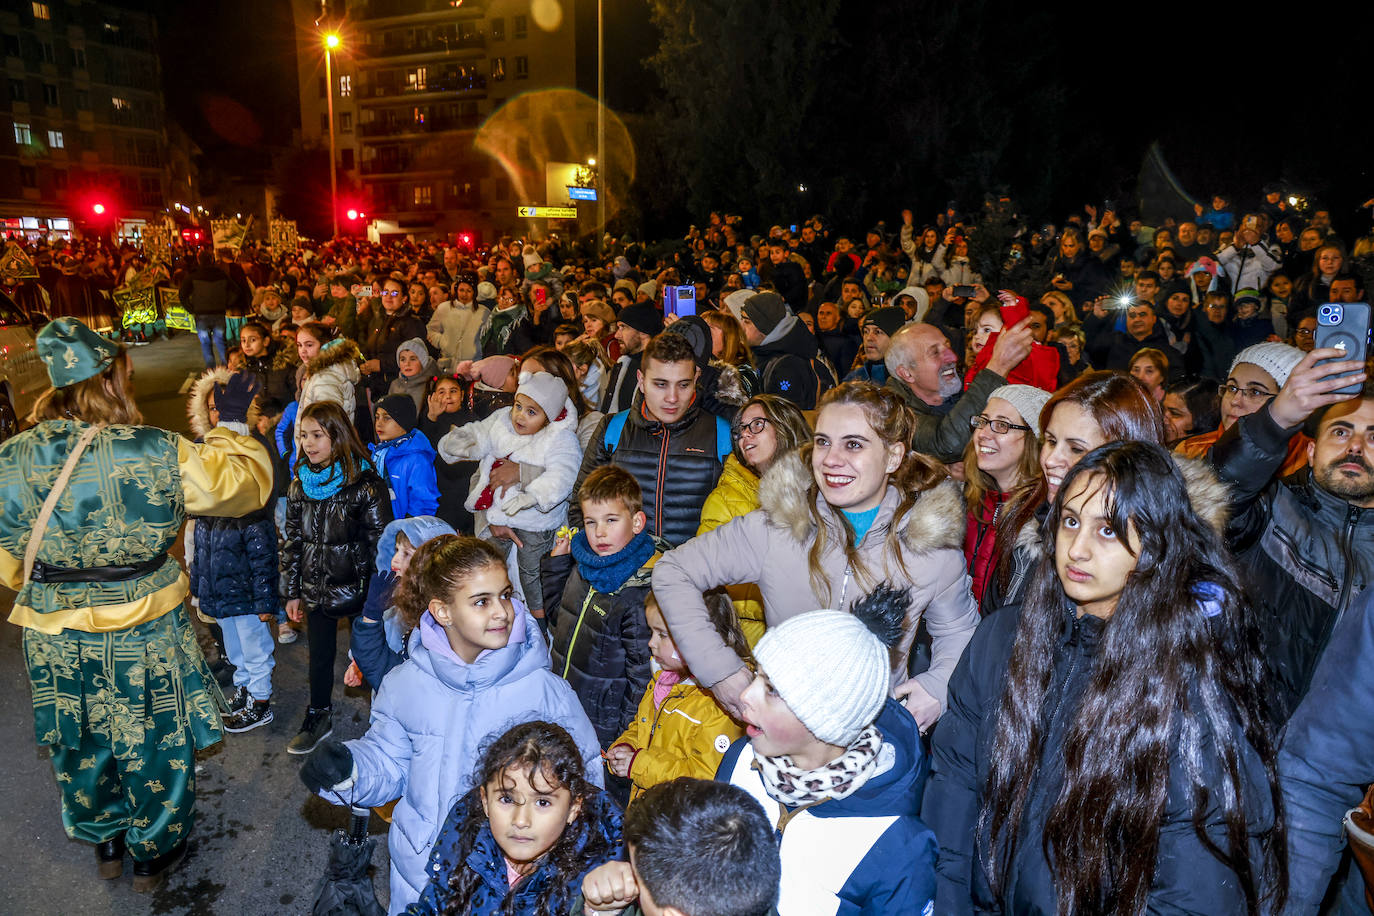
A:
(1344, 326)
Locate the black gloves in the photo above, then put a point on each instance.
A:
(235, 397)
(328, 765)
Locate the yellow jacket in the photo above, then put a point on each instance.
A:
(686, 736)
(736, 494)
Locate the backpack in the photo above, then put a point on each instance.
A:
(615, 428)
(824, 374)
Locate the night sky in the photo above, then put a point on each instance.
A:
(1294, 105)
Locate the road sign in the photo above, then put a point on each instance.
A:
(576, 193)
(547, 212)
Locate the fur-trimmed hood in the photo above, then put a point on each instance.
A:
(1211, 500)
(342, 353)
(935, 521)
(729, 385)
(198, 404)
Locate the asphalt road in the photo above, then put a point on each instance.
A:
(260, 842)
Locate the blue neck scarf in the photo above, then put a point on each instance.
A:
(608, 574)
(381, 449)
(325, 482)
(862, 521)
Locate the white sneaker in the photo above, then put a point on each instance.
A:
(286, 634)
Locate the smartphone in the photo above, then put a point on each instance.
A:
(680, 301)
(1252, 222)
(794, 227)
(541, 295)
(1344, 326)
(963, 292)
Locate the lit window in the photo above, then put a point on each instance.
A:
(345, 87)
(120, 103)
(416, 79)
(423, 195)
(41, 11)
(55, 140)
(498, 68)
(23, 133)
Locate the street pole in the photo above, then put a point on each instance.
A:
(601, 163)
(333, 174)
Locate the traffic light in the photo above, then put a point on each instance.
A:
(465, 240)
(98, 208)
(351, 214)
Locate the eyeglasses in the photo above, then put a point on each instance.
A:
(390, 293)
(755, 426)
(996, 424)
(1305, 332)
(1248, 394)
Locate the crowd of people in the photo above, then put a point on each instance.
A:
(964, 567)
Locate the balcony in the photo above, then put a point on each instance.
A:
(400, 128)
(370, 93)
(410, 9)
(437, 45)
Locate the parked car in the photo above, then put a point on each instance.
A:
(22, 376)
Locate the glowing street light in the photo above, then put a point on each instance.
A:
(332, 44)
(331, 41)
(592, 161)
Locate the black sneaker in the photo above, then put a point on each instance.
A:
(249, 717)
(238, 700)
(318, 725)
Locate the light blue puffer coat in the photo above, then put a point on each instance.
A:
(429, 721)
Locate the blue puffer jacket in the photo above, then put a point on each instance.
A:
(234, 565)
(429, 720)
(407, 466)
(599, 817)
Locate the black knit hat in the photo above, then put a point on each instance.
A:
(766, 311)
(889, 319)
(644, 317)
(401, 408)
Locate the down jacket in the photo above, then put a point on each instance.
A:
(677, 465)
(330, 545)
(555, 448)
(1305, 553)
(600, 644)
(407, 466)
(331, 376)
(233, 563)
(1188, 878)
(770, 547)
(735, 495)
(599, 815)
(429, 721)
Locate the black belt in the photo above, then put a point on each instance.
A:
(43, 572)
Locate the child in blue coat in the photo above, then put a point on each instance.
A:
(404, 457)
(477, 666)
(523, 838)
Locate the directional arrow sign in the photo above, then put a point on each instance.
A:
(547, 212)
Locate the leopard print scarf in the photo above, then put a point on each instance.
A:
(840, 778)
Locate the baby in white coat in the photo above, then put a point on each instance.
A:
(540, 431)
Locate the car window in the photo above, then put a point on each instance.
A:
(9, 312)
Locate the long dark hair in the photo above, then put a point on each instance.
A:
(534, 748)
(1169, 679)
(345, 446)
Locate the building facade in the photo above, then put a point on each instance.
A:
(83, 144)
(417, 86)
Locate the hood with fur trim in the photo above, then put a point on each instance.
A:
(729, 385)
(198, 404)
(935, 521)
(341, 353)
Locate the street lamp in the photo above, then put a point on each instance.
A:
(600, 126)
(331, 44)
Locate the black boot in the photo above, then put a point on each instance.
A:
(150, 875)
(110, 857)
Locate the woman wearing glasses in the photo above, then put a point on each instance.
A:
(851, 508)
(768, 427)
(1001, 463)
(1093, 409)
(397, 324)
(1256, 376)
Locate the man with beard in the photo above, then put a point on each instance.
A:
(1305, 544)
(924, 372)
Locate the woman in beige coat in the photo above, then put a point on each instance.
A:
(850, 509)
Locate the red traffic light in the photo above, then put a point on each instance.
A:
(351, 213)
(98, 209)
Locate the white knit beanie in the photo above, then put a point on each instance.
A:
(548, 391)
(830, 670)
(1028, 401)
(1278, 359)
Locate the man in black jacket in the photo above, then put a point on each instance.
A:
(788, 358)
(209, 294)
(785, 274)
(1114, 349)
(1305, 544)
(636, 325)
(674, 449)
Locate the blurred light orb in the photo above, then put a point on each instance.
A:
(547, 14)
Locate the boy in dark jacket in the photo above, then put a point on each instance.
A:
(233, 571)
(600, 638)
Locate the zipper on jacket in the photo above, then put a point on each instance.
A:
(658, 482)
(572, 643)
(1352, 517)
(1325, 575)
(1068, 675)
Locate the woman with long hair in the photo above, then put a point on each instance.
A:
(1189, 407)
(94, 501)
(729, 346)
(1093, 409)
(1001, 464)
(767, 428)
(1313, 288)
(854, 506)
(1107, 747)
